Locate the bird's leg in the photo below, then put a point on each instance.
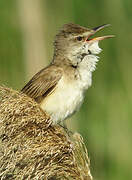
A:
(64, 126)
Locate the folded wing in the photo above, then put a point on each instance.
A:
(43, 83)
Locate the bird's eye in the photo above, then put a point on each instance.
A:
(79, 38)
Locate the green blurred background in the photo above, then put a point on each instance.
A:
(27, 30)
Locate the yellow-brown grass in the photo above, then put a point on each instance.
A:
(32, 148)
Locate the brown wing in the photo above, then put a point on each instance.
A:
(43, 82)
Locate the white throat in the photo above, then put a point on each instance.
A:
(85, 54)
(88, 64)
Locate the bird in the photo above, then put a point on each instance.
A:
(60, 87)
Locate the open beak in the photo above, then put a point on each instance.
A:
(96, 29)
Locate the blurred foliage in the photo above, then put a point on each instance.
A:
(105, 119)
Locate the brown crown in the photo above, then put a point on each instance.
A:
(71, 28)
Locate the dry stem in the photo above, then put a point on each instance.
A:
(32, 148)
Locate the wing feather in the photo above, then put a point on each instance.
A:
(43, 82)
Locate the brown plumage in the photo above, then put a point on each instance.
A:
(73, 29)
(59, 88)
(43, 82)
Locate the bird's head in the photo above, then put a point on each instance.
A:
(75, 42)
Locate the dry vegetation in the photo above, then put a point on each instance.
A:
(32, 148)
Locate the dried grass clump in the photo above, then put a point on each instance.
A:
(32, 148)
